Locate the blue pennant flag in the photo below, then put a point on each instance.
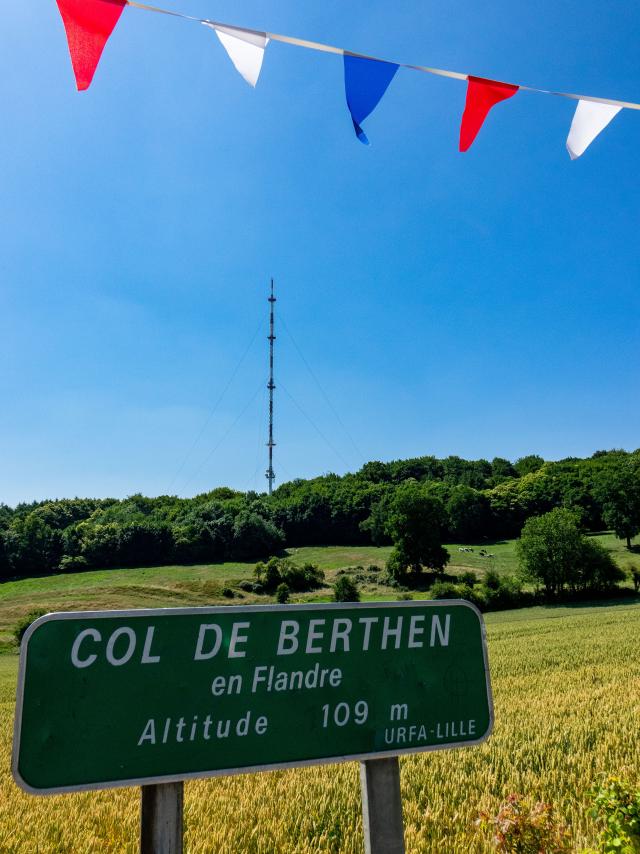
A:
(365, 82)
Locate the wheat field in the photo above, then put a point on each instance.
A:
(566, 686)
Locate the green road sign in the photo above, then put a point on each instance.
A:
(114, 698)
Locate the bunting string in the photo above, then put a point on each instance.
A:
(327, 48)
(89, 23)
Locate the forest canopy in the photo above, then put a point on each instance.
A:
(473, 500)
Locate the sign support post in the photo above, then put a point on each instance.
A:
(161, 818)
(382, 806)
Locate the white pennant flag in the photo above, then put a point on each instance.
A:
(590, 118)
(245, 49)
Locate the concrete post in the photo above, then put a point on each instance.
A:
(382, 806)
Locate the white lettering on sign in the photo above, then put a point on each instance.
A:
(399, 711)
(121, 632)
(387, 632)
(180, 732)
(341, 629)
(149, 733)
(367, 622)
(147, 658)
(80, 659)
(341, 634)
(237, 638)
(414, 630)
(325, 635)
(267, 678)
(200, 655)
(75, 649)
(313, 635)
(437, 627)
(221, 685)
(288, 640)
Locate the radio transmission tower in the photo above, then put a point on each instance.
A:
(271, 386)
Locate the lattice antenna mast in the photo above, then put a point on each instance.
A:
(271, 386)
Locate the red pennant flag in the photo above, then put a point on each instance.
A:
(481, 96)
(88, 24)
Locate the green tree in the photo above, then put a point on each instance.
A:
(254, 536)
(502, 469)
(549, 550)
(555, 553)
(528, 464)
(98, 543)
(32, 546)
(597, 569)
(145, 543)
(468, 514)
(376, 523)
(415, 524)
(4, 558)
(618, 490)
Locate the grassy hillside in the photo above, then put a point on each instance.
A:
(503, 553)
(566, 684)
(181, 586)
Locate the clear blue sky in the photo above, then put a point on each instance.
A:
(480, 304)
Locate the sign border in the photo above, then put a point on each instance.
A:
(232, 609)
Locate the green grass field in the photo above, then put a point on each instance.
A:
(182, 586)
(503, 553)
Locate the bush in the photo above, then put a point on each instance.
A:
(70, 563)
(598, 570)
(227, 592)
(448, 590)
(405, 597)
(345, 590)
(469, 578)
(471, 594)
(268, 574)
(282, 594)
(492, 580)
(522, 827)
(373, 567)
(503, 592)
(284, 571)
(249, 587)
(301, 578)
(635, 577)
(23, 624)
(616, 807)
(444, 590)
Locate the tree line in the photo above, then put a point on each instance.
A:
(450, 500)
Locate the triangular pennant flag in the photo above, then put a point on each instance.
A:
(88, 24)
(245, 49)
(590, 119)
(481, 96)
(365, 82)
